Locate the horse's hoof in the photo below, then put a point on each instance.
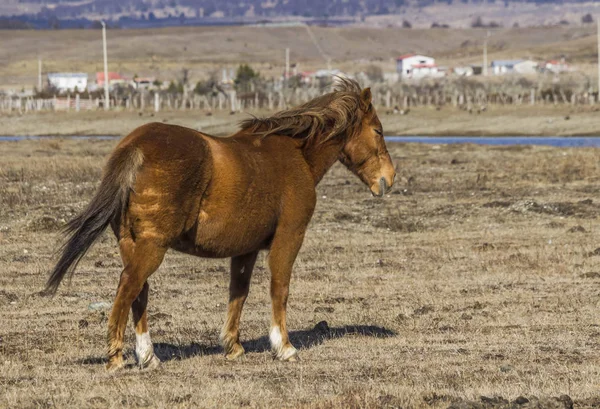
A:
(115, 364)
(150, 364)
(236, 352)
(288, 354)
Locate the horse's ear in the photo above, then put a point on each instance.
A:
(365, 98)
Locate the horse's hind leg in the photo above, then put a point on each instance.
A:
(146, 258)
(241, 272)
(143, 344)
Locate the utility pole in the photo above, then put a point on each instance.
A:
(106, 81)
(485, 60)
(598, 29)
(39, 75)
(287, 63)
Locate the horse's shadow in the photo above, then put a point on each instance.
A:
(303, 339)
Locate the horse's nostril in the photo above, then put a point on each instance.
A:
(383, 187)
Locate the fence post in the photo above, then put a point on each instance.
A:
(233, 98)
(77, 106)
(156, 102)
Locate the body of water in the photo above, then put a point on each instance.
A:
(559, 141)
(24, 138)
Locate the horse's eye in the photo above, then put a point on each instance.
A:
(379, 132)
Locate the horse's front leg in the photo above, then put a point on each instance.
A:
(241, 272)
(284, 250)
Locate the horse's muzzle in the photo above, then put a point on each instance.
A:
(383, 188)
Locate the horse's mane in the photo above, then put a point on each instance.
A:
(325, 117)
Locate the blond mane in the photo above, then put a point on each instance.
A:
(329, 116)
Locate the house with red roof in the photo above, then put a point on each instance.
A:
(416, 66)
(113, 79)
(556, 66)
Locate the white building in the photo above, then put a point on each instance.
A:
(464, 71)
(526, 67)
(501, 67)
(416, 66)
(68, 81)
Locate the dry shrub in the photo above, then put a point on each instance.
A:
(562, 167)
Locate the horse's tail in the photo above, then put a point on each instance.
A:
(109, 202)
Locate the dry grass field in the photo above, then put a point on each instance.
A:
(478, 276)
(165, 52)
(550, 120)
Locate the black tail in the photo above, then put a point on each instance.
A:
(108, 203)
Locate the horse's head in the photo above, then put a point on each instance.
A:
(365, 153)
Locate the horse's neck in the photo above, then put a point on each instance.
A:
(322, 157)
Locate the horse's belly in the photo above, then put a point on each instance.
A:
(227, 236)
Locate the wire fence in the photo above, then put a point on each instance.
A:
(462, 93)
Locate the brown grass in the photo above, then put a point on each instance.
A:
(497, 120)
(164, 52)
(493, 291)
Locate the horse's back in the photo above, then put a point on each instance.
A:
(164, 142)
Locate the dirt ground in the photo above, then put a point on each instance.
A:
(550, 120)
(475, 283)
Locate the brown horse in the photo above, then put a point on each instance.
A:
(166, 186)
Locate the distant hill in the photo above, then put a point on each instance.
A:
(156, 13)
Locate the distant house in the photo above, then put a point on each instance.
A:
(416, 66)
(468, 70)
(113, 79)
(526, 67)
(68, 81)
(325, 73)
(464, 71)
(144, 83)
(308, 77)
(556, 66)
(477, 69)
(501, 67)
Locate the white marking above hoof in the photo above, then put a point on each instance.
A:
(144, 351)
(276, 340)
(282, 352)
